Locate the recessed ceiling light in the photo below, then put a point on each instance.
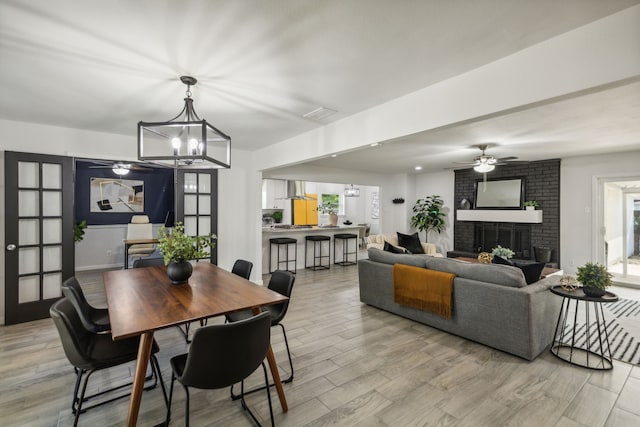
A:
(374, 144)
(334, 155)
(418, 168)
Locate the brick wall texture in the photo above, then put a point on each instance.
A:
(542, 183)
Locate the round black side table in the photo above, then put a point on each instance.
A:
(587, 344)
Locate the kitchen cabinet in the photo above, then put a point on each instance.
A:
(273, 193)
(305, 212)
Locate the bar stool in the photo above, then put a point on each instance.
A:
(345, 238)
(317, 258)
(286, 241)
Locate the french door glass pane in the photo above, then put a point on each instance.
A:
(190, 182)
(51, 203)
(28, 260)
(204, 183)
(28, 289)
(28, 175)
(190, 205)
(51, 175)
(52, 258)
(52, 230)
(190, 225)
(52, 285)
(28, 203)
(28, 232)
(204, 205)
(204, 223)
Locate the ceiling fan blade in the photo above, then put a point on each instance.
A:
(506, 159)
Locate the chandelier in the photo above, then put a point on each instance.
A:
(351, 191)
(185, 141)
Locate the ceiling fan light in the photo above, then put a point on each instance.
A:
(484, 167)
(120, 170)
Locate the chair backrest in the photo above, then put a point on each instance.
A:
(73, 334)
(242, 268)
(221, 355)
(140, 228)
(73, 292)
(147, 262)
(281, 282)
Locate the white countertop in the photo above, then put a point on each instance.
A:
(313, 228)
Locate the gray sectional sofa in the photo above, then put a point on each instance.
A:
(492, 304)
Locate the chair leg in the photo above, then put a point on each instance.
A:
(186, 410)
(155, 369)
(74, 401)
(173, 379)
(244, 403)
(286, 343)
(81, 398)
(284, 381)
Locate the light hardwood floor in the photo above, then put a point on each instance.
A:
(355, 366)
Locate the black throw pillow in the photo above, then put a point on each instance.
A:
(411, 242)
(497, 259)
(532, 270)
(393, 249)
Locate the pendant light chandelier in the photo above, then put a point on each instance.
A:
(351, 191)
(185, 141)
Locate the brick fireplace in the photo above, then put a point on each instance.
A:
(542, 183)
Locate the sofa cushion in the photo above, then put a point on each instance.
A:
(411, 242)
(531, 270)
(393, 249)
(492, 273)
(378, 255)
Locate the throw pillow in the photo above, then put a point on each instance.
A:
(497, 259)
(393, 249)
(411, 242)
(532, 271)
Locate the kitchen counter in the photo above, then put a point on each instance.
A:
(299, 232)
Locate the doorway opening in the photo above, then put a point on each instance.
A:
(621, 229)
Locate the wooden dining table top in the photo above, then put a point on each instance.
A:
(144, 299)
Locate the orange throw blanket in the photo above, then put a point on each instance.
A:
(424, 289)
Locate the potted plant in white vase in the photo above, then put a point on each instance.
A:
(331, 209)
(502, 252)
(531, 205)
(179, 248)
(594, 278)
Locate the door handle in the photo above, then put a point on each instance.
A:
(11, 247)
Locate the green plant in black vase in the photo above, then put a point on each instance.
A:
(179, 248)
(277, 216)
(594, 278)
(428, 215)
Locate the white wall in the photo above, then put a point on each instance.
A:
(613, 222)
(577, 202)
(443, 185)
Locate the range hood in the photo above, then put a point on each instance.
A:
(295, 190)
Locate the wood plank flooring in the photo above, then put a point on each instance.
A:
(354, 365)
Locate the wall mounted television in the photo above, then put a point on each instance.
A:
(507, 193)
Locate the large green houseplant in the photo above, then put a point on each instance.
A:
(594, 278)
(428, 215)
(178, 249)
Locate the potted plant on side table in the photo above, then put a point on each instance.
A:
(179, 248)
(594, 278)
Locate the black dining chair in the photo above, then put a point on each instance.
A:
(147, 262)
(89, 352)
(222, 355)
(94, 319)
(242, 268)
(282, 282)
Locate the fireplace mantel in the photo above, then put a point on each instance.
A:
(496, 215)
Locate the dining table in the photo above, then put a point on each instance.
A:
(143, 300)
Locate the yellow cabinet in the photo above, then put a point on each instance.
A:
(305, 212)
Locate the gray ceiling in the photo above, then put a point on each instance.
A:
(262, 65)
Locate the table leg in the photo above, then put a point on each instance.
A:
(273, 366)
(144, 354)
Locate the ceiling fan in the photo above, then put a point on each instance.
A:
(119, 168)
(485, 163)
